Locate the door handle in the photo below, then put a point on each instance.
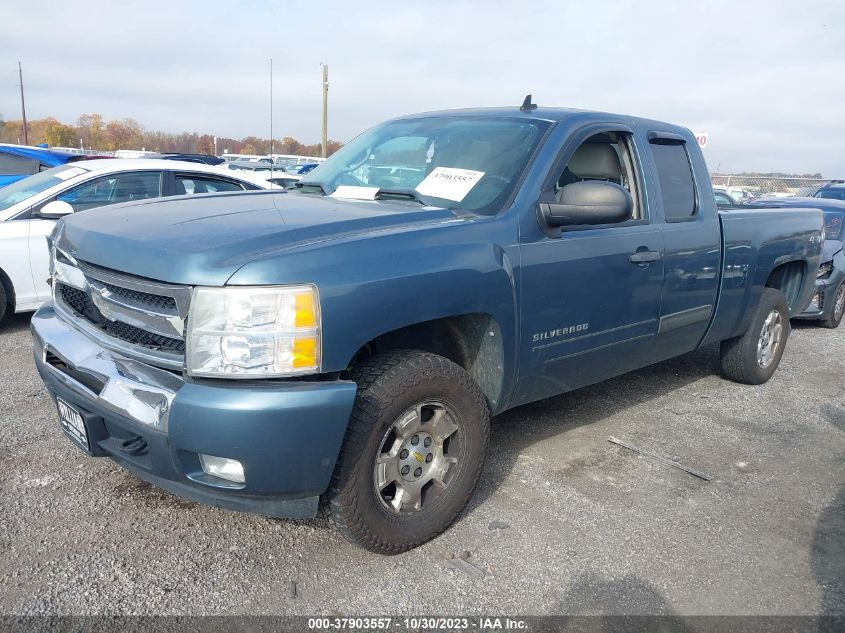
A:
(645, 257)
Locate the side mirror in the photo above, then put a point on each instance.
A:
(588, 203)
(55, 210)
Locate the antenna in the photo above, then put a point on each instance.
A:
(527, 106)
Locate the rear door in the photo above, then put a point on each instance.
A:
(14, 261)
(692, 239)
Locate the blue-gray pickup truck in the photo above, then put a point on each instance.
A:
(347, 342)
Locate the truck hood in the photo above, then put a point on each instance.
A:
(204, 240)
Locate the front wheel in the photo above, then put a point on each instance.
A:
(838, 310)
(413, 452)
(753, 357)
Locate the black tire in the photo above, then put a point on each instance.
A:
(832, 322)
(740, 358)
(391, 386)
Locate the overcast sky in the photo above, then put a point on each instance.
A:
(765, 79)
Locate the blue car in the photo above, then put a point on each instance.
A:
(827, 305)
(18, 161)
(832, 191)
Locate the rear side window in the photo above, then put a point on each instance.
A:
(12, 165)
(676, 184)
(190, 185)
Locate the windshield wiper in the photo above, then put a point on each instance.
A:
(403, 194)
(311, 183)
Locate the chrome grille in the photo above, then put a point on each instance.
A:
(138, 317)
(84, 306)
(156, 302)
(137, 336)
(80, 302)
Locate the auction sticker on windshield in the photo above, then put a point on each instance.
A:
(449, 183)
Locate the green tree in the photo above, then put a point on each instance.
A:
(90, 128)
(59, 135)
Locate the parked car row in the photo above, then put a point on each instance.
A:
(18, 161)
(291, 163)
(733, 195)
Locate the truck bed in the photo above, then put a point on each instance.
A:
(749, 255)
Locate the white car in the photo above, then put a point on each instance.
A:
(30, 207)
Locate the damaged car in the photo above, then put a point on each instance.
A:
(827, 305)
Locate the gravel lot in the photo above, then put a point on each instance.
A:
(564, 522)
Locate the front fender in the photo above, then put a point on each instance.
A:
(377, 283)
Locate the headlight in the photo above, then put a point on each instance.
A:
(254, 332)
(825, 270)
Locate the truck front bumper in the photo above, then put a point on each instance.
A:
(286, 434)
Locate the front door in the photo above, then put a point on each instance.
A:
(591, 297)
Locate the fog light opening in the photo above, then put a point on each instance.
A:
(223, 467)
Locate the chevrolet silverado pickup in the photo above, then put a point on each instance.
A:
(347, 342)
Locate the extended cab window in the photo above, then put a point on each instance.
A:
(674, 173)
(607, 157)
(113, 189)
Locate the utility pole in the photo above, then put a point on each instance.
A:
(325, 110)
(272, 159)
(23, 107)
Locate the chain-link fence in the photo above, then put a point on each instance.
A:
(744, 188)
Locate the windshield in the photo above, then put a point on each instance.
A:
(833, 226)
(35, 184)
(833, 193)
(457, 162)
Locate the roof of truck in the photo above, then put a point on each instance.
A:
(554, 115)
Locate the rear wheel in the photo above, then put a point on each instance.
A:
(413, 452)
(753, 357)
(838, 311)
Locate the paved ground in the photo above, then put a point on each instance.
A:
(590, 527)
